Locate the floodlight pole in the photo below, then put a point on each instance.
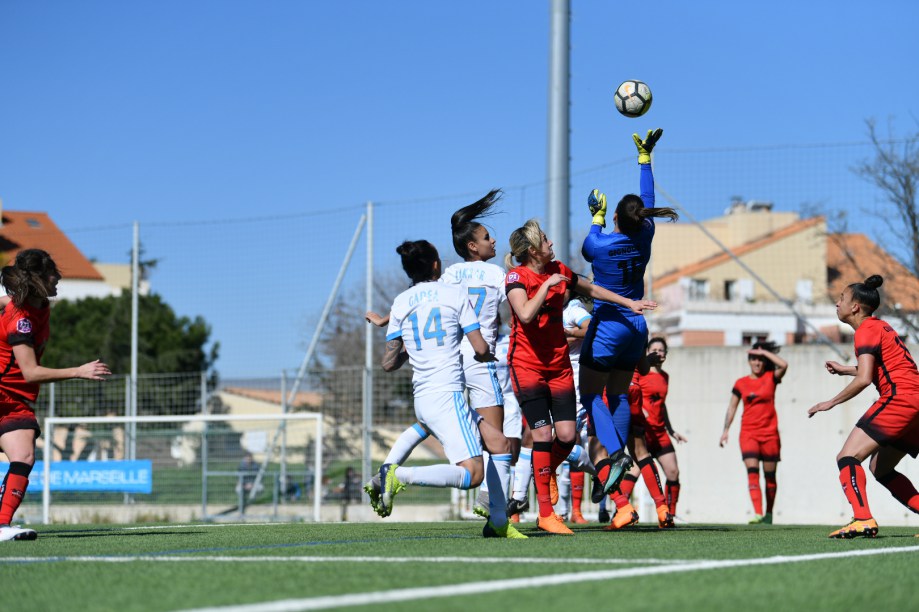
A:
(367, 418)
(557, 192)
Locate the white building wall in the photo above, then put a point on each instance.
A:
(75, 289)
(714, 480)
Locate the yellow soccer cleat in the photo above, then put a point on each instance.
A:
(508, 531)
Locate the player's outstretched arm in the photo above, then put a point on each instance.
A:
(34, 373)
(527, 309)
(374, 318)
(584, 287)
(834, 367)
(861, 380)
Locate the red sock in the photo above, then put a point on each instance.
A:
(852, 478)
(577, 490)
(627, 485)
(673, 495)
(756, 496)
(652, 480)
(560, 453)
(902, 489)
(542, 469)
(771, 487)
(13, 490)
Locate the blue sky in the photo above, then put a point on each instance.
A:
(181, 115)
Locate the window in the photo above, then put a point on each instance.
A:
(698, 288)
(740, 290)
(32, 222)
(751, 338)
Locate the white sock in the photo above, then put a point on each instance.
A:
(563, 479)
(485, 457)
(580, 460)
(406, 443)
(498, 471)
(523, 473)
(443, 475)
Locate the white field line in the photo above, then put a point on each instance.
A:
(478, 588)
(195, 526)
(317, 559)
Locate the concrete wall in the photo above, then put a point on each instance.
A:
(714, 480)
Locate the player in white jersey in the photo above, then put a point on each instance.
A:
(483, 283)
(575, 319)
(426, 324)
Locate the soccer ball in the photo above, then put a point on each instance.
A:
(633, 98)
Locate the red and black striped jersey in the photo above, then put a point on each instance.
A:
(894, 368)
(21, 325)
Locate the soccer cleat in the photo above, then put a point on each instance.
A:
(513, 518)
(508, 531)
(603, 516)
(767, 518)
(625, 516)
(577, 518)
(372, 489)
(619, 467)
(756, 520)
(596, 489)
(664, 518)
(390, 487)
(517, 506)
(480, 507)
(867, 528)
(553, 524)
(553, 489)
(10, 533)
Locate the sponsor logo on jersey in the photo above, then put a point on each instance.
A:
(513, 277)
(24, 326)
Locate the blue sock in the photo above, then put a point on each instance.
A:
(622, 419)
(603, 422)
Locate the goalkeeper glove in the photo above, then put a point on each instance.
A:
(596, 203)
(645, 146)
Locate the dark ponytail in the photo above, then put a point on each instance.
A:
(463, 221)
(418, 259)
(631, 214)
(866, 293)
(28, 276)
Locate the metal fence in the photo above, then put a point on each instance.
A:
(217, 449)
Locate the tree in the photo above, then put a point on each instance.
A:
(100, 328)
(894, 169)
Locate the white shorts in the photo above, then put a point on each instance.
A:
(455, 426)
(481, 380)
(513, 423)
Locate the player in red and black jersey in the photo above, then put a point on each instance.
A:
(540, 369)
(759, 426)
(889, 430)
(24, 331)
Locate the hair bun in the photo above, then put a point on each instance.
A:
(874, 281)
(406, 248)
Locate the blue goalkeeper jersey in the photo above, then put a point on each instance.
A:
(618, 261)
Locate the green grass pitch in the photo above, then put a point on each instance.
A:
(449, 566)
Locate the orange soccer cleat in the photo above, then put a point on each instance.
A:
(664, 518)
(625, 516)
(577, 518)
(553, 524)
(867, 528)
